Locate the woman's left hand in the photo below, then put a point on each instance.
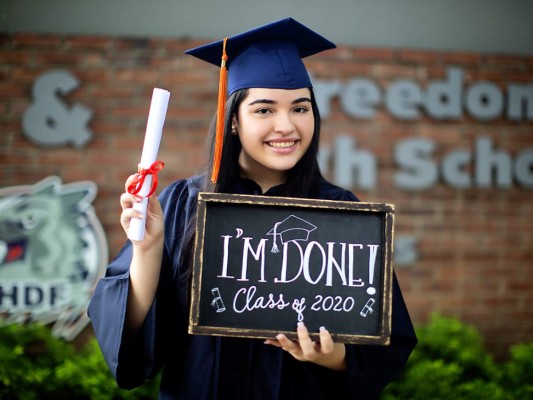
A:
(325, 353)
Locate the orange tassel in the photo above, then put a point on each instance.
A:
(219, 138)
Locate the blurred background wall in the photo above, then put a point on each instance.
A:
(427, 105)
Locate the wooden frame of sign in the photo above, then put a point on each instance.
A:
(262, 264)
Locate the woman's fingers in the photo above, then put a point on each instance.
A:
(129, 181)
(273, 342)
(126, 216)
(326, 353)
(326, 341)
(305, 349)
(154, 206)
(290, 346)
(127, 200)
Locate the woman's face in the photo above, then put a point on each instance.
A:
(275, 127)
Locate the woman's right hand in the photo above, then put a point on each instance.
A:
(147, 256)
(154, 226)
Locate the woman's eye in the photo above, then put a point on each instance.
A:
(263, 111)
(300, 109)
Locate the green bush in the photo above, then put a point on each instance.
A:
(36, 365)
(517, 374)
(450, 362)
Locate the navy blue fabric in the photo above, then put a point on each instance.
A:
(268, 56)
(193, 365)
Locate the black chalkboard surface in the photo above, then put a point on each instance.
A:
(262, 264)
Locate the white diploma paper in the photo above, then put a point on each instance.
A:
(152, 139)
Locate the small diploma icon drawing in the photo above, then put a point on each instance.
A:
(367, 308)
(217, 300)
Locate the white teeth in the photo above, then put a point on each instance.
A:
(281, 145)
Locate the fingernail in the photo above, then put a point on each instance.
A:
(300, 323)
(323, 329)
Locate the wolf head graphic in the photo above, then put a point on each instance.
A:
(50, 240)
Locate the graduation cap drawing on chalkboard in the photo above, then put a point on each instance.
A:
(291, 228)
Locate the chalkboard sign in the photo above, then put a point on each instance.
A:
(262, 264)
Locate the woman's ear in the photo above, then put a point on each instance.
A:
(234, 127)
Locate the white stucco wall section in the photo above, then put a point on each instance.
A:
(500, 26)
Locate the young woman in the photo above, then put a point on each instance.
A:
(270, 128)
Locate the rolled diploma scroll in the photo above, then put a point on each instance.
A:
(152, 139)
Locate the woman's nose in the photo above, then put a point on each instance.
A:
(283, 124)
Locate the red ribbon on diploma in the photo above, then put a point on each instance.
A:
(136, 185)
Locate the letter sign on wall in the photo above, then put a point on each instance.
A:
(49, 121)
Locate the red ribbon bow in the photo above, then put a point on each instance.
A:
(136, 185)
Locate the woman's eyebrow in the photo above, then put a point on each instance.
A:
(262, 101)
(268, 101)
(302, 100)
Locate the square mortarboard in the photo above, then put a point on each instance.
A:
(291, 228)
(266, 57)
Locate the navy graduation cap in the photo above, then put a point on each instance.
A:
(266, 57)
(291, 228)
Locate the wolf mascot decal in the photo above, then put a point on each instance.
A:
(52, 252)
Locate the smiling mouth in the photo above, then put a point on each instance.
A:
(281, 145)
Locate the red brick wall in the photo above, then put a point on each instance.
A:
(475, 246)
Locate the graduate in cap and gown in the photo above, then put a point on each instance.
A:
(264, 142)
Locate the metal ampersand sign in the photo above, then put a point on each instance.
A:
(49, 122)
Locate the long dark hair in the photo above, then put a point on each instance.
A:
(302, 179)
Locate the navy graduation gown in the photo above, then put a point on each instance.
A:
(206, 367)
